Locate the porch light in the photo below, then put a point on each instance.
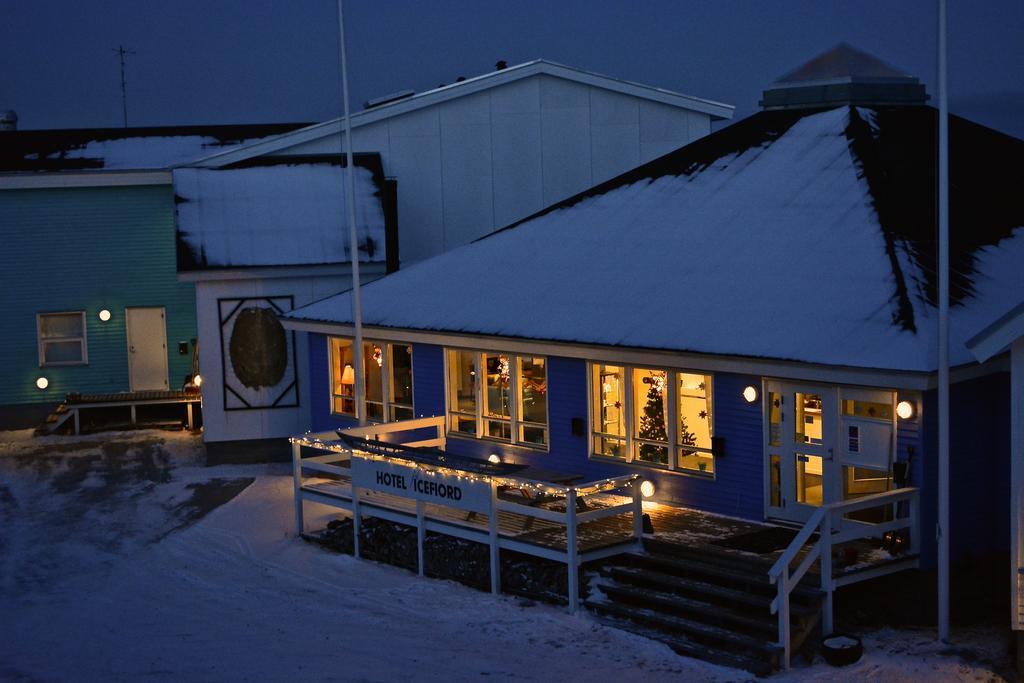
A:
(197, 380)
(42, 382)
(104, 315)
(905, 410)
(647, 488)
(750, 394)
(494, 458)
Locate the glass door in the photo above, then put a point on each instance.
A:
(800, 424)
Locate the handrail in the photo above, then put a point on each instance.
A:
(797, 543)
(822, 521)
(572, 519)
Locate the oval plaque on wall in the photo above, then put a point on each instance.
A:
(259, 348)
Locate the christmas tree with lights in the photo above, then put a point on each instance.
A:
(652, 423)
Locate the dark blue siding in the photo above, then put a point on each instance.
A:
(979, 448)
(737, 489)
(428, 380)
(979, 468)
(910, 448)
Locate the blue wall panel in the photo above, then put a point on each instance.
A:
(980, 446)
(979, 469)
(736, 490)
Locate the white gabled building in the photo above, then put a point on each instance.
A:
(488, 151)
(462, 159)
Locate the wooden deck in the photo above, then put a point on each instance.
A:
(75, 405)
(593, 535)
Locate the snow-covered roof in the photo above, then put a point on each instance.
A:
(121, 149)
(469, 86)
(790, 235)
(278, 213)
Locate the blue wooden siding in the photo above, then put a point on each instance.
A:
(88, 249)
(979, 468)
(735, 490)
(980, 447)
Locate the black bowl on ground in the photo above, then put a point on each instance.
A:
(840, 649)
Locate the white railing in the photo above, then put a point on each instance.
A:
(832, 529)
(339, 464)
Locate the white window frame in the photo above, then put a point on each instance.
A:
(514, 422)
(83, 341)
(672, 428)
(360, 402)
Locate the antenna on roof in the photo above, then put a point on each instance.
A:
(123, 52)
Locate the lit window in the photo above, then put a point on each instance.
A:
(693, 431)
(62, 338)
(652, 416)
(609, 430)
(388, 390)
(462, 387)
(507, 403)
(343, 378)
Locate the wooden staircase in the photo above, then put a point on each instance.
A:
(55, 420)
(704, 602)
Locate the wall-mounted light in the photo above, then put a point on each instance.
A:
(494, 457)
(197, 380)
(750, 394)
(647, 488)
(104, 315)
(905, 410)
(42, 382)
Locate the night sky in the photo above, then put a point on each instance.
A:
(241, 61)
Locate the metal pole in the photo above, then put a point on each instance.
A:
(350, 202)
(943, 417)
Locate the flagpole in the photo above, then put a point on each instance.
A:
(350, 203)
(943, 417)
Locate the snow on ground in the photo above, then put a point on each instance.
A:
(117, 563)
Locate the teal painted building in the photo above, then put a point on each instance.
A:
(92, 298)
(88, 249)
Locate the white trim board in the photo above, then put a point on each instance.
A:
(716, 110)
(760, 367)
(42, 180)
(999, 335)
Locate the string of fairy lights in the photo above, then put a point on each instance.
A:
(608, 484)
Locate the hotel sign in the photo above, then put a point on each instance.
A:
(417, 483)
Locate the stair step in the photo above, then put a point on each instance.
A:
(694, 631)
(691, 608)
(754, 578)
(682, 646)
(709, 553)
(694, 588)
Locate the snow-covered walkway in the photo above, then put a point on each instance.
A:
(109, 570)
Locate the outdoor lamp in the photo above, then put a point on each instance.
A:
(104, 315)
(905, 410)
(42, 382)
(494, 457)
(197, 380)
(647, 488)
(750, 394)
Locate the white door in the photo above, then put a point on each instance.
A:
(147, 349)
(800, 433)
